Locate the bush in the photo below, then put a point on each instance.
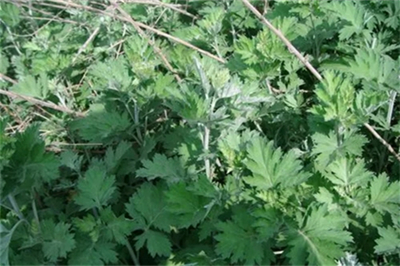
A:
(186, 132)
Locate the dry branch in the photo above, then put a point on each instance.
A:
(34, 100)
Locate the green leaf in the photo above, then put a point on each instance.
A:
(9, 13)
(85, 224)
(374, 219)
(239, 242)
(121, 161)
(93, 253)
(327, 198)
(372, 66)
(245, 47)
(57, 239)
(71, 160)
(327, 148)
(148, 208)
(189, 104)
(111, 74)
(4, 63)
(319, 240)
(347, 172)
(157, 243)
(95, 189)
(101, 125)
(116, 228)
(29, 86)
(267, 222)
(389, 242)
(170, 169)
(234, 146)
(204, 187)
(188, 207)
(6, 236)
(385, 196)
(30, 164)
(270, 167)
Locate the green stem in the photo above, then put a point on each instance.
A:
(392, 99)
(206, 143)
(132, 253)
(15, 206)
(95, 212)
(35, 213)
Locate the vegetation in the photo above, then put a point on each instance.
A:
(199, 132)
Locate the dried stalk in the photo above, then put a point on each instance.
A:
(34, 100)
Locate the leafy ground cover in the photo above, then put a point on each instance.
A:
(195, 132)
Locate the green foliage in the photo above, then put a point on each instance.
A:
(57, 240)
(389, 240)
(169, 169)
(31, 87)
(93, 253)
(384, 195)
(318, 239)
(271, 168)
(179, 159)
(239, 241)
(30, 165)
(95, 189)
(101, 125)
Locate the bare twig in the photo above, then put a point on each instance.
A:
(83, 47)
(49, 20)
(116, 44)
(266, 7)
(6, 78)
(392, 99)
(388, 146)
(91, 37)
(41, 103)
(293, 50)
(34, 100)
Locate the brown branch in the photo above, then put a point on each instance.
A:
(388, 146)
(6, 78)
(83, 47)
(32, 100)
(293, 50)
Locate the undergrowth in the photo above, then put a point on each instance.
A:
(188, 132)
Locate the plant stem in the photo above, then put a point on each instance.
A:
(95, 212)
(206, 144)
(132, 253)
(136, 113)
(15, 206)
(392, 99)
(35, 213)
(206, 139)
